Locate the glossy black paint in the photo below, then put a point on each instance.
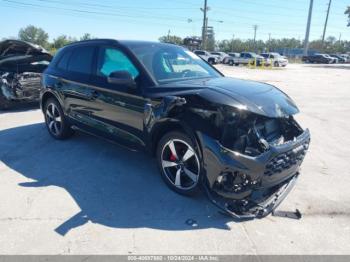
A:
(21, 65)
(139, 116)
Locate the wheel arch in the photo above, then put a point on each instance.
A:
(46, 96)
(169, 125)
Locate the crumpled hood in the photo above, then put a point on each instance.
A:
(20, 56)
(260, 98)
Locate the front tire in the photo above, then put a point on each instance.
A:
(179, 163)
(55, 120)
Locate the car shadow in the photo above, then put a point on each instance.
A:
(336, 66)
(20, 107)
(111, 185)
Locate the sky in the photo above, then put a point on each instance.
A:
(148, 20)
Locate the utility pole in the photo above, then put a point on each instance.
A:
(204, 28)
(255, 27)
(168, 35)
(326, 22)
(306, 42)
(233, 37)
(269, 37)
(339, 37)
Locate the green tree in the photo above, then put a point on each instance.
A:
(34, 35)
(87, 36)
(347, 12)
(61, 41)
(173, 39)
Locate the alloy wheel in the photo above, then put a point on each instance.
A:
(180, 164)
(54, 119)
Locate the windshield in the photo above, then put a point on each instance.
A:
(172, 63)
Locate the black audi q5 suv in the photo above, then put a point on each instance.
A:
(235, 139)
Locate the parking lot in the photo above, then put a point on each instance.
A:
(87, 196)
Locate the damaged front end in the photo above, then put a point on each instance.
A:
(21, 65)
(23, 87)
(253, 162)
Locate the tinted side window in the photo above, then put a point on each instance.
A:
(63, 62)
(200, 53)
(81, 60)
(111, 60)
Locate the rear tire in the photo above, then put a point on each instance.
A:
(276, 64)
(231, 63)
(56, 122)
(4, 103)
(179, 163)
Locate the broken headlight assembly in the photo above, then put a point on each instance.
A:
(254, 163)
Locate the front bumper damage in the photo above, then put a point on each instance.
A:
(257, 185)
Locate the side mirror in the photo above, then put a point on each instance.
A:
(122, 78)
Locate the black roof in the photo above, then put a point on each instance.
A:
(127, 43)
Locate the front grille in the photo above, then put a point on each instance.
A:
(286, 160)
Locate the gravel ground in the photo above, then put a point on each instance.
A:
(86, 196)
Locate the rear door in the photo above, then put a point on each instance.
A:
(75, 69)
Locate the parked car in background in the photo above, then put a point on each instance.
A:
(250, 58)
(276, 59)
(236, 139)
(334, 60)
(317, 58)
(230, 58)
(21, 65)
(340, 58)
(346, 57)
(221, 56)
(211, 59)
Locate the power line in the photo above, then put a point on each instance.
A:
(106, 10)
(182, 19)
(114, 7)
(87, 14)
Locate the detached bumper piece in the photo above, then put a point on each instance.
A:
(248, 187)
(250, 208)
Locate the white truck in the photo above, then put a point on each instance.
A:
(222, 56)
(246, 58)
(211, 59)
(276, 59)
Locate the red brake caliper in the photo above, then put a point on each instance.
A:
(172, 157)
